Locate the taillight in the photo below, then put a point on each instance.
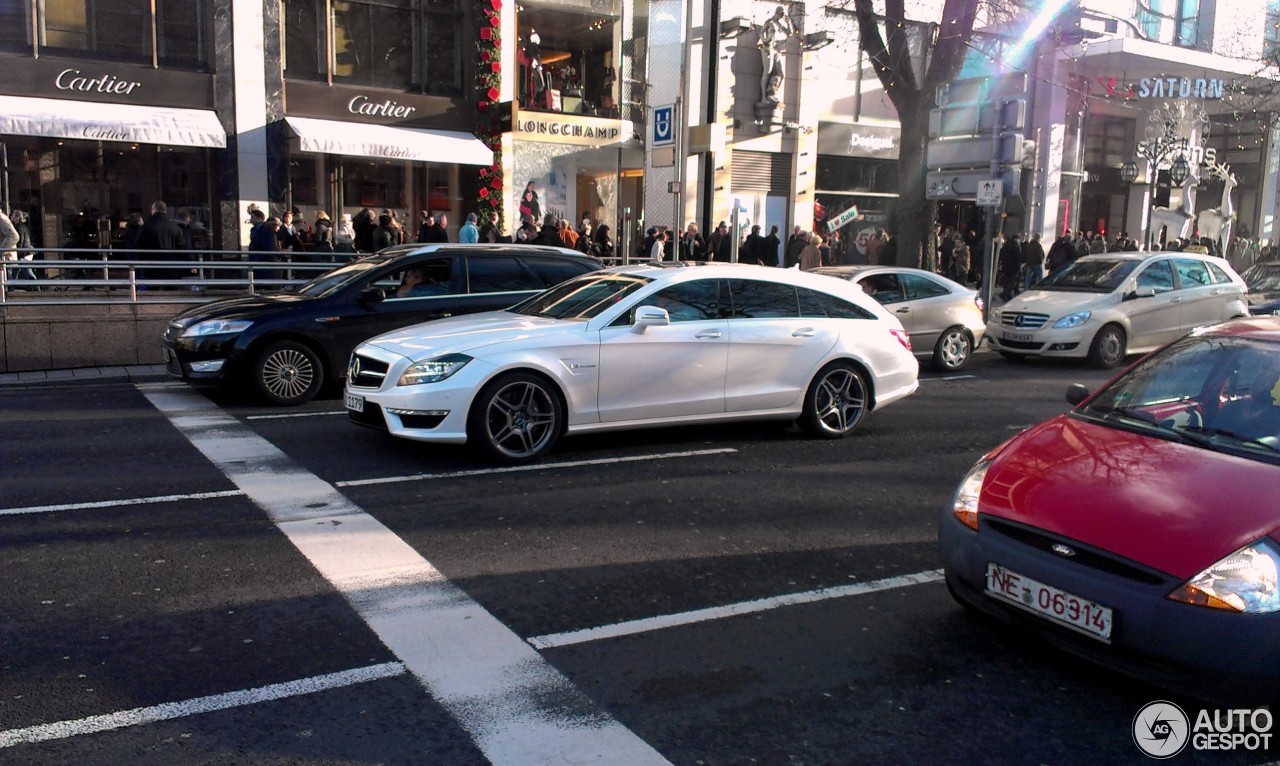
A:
(901, 335)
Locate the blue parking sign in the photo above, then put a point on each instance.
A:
(663, 125)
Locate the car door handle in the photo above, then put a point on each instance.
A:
(904, 310)
(708, 334)
(804, 332)
(1176, 300)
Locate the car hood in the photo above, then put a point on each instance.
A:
(245, 307)
(465, 334)
(1174, 507)
(1057, 303)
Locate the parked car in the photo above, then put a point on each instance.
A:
(1263, 280)
(286, 346)
(943, 318)
(637, 346)
(1141, 529)
(1104, 307)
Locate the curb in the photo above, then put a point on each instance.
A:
(130, 373)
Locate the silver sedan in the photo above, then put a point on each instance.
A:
(942, 318)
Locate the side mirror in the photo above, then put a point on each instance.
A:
(1141, 292)
(649, 316)
(1076, 393)
(372, 295)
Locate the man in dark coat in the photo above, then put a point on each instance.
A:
(797, 242)
(1010, 262)
(752, 247)
(439, 232)
(362, 226)
(550, 234)
(161, 233)
(384, 236)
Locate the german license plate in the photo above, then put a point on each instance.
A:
(1019, 337)
(354, 403)
(1079, 614)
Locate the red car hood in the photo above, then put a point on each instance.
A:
(1173, 507)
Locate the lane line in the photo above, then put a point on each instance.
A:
(171, 710)
(649, 624)
(119, 503)
(293, 415)
(949, 377)
(532, 467)
(515, 705)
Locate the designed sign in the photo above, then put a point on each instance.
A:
(664, 125)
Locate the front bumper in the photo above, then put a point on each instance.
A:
(208, 360)
(1044, 341)
(429, 412)
(1206, 653)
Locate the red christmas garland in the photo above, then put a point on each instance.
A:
(488, 80)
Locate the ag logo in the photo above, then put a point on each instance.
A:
(1160, 729)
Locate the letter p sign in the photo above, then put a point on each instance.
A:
(663, 125)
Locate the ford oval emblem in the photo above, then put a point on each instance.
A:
(1063, 550)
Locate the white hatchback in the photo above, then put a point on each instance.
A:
(1106, 306)
(638, 346)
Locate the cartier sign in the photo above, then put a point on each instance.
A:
(75, 80)
(366, 106)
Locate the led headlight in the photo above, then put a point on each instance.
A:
(1244, 581)
(1071, 320)
(997, 315)
(433, 370)
(216, 327)
(965, 503)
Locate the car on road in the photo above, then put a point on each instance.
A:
(1263, 280)
(1141, 529)
(1106, 306)
(638, 346)
(943, 318)
(285, 346)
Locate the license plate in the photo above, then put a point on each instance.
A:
(1020, 337)
(1079, 614)
(354, 403)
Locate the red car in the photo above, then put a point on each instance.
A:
(1142, 528)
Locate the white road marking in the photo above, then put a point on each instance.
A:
(950, 377)
(517, 707)
(170, 710)
(119, 503)
(648, 624)
(532, 467)
(293, 415)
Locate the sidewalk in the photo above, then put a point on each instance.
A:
(132, 373)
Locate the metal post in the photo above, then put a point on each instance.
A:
(733, 233)
(989, 254)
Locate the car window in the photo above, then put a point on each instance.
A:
(694, 301)
(1263, 277)
(754, 299)
(1191, 271)
(553, 271)
(500, 274)
(582, 297)
(883, 287)
(420, 279)
(1219, 274)
(820, 305)
(918, 287)
(1157, 275)
(1095, 275)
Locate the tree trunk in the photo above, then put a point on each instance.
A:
(913, 214)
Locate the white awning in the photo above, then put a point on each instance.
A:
(358, 139)
(93, 121)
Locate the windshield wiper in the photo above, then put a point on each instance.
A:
(1207, 431)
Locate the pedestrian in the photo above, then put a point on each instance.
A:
(384, 235)
(549, 235)
(489, 231)
(960, 259)
(946, 250)
(287, 234)
(427, 223)
(769, 250)
(160, 234)
(469, 234)
(1010, 262)
(874, 243)
(440, 231)
(658, 249)
(795, 243)
(344, 238)
(24, 246)
(324, 240)
(811, 255)
(264, 240)
(1032, 262)
(527, 232)
(401, 237)
(603, 245)
(752, 246)
(363, 225)
(567, 236)
(713, 239)
(8, 238)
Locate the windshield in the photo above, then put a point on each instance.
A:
(1213, 392)
(1095, 276)
(581, 298)
(1263, 277)
(330, 281)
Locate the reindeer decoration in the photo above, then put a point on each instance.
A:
(1216, 223)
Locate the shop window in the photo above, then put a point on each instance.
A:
(373, 43)
(116, 30)
(1272, 31)
(181, 33)
(304, 36)
(566, 57)
(442, 49)
(15, 25)
(107, 27)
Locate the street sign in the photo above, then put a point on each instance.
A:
(977, 89)
(963, 184)
(990, 192)
(972, 119)
(664, 125)
(974, 152)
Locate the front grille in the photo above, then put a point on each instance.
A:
(1084, 555)
(1023, 320)
(364, 372)
(1022, 345)
(372, 417)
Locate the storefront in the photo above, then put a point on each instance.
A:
(857, 167)
(85, 145)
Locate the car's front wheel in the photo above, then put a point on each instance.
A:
(835, 402)
(1108, 347)
(287, 373)
(953, 349)
(517, 418)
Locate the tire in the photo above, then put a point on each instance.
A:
(517, 418)
(835, 403)
(1108, 347)
(953, 349)
(287, 373)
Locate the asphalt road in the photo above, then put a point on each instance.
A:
(194, 579)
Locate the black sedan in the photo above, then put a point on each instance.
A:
(284, 347)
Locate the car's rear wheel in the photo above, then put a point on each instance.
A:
(1108, 347)
(953, 349)
(835, 402)
(287, 373)
(517, 418)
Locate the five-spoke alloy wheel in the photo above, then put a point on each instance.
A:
(835, 403)
(516, 418)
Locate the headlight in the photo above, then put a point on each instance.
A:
(1245, 581)
(216, 327)
(965, 503)
(1071, 320)
(996, 314)
(433, 370)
